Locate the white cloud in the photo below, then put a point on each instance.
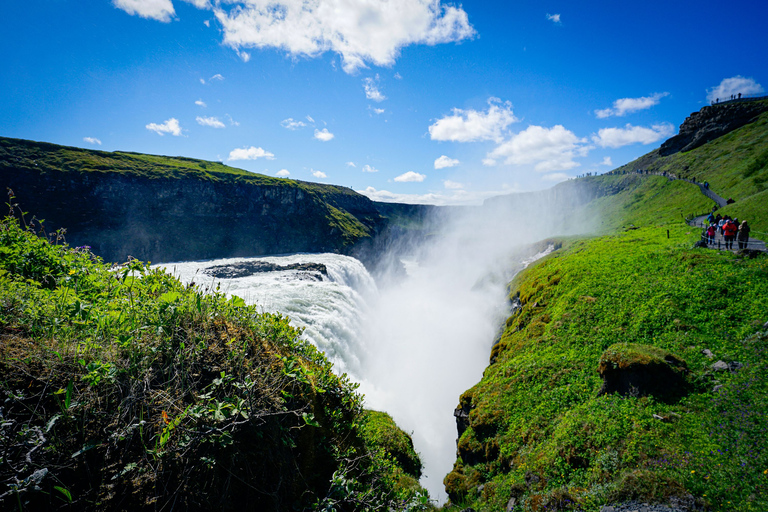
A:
(169, 126)
(624, 106)
(213, 122)
(92, 140)
(283, 173)
(200, 103)
(351, 164)
(202, 81)
(292, 124)
(319, 174)
(371, 87)
(452, 184)
(160, 10)
(410, 176)
(377, 111)
(368, 168)
(398, 76)
(554, 18)
(556, 177)
(489, 162)
(551, 149)
(232, 121)
(457, 197)
(309, 118)
(217, 76)
(200, 4)
(471, 125)
(445, 161)
(207, 23)
(323, 135)
(734, 85)
(361, 32)
(251, 153)
(245, 56)
(607, 161)
(618, 137)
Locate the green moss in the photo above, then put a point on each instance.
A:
(663, 300)
(624, 355)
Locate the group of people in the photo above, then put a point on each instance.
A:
(729, 228)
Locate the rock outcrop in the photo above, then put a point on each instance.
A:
(632, 369)
(712, 122)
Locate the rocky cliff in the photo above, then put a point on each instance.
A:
(712, 122)
(167, 209)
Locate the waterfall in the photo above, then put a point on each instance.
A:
(414, 345)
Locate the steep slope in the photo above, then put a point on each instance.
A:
(633, 366)
(123, 389)
(163, 209)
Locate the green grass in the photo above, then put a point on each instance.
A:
(536, 413)
(124, 389)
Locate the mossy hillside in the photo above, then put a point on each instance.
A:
(395, 447)
(635, 200)
(735, 165)
(123, 389)
(540, 433)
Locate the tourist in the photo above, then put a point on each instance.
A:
(729, 233)
(720, 223)
(711, 234)
(743, 235)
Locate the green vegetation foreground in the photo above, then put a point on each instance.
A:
(124, 390)
(567, 416)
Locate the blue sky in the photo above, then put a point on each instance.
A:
(409, 100)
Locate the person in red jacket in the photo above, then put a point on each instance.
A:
(711, 230)
(729, 233)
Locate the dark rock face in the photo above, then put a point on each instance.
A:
(172, 219)
(639, 370)
(710, 123)
(249, 268)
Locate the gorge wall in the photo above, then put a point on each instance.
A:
(169, 209)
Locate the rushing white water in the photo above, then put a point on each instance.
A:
(414, 345)
(330, 308)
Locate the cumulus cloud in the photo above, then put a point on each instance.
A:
(410, 176)
(360, 32)
(371, 87)
(452, 184)
(624, 106)
(323, 135)
(618, 137)
(607, 161)
(445, 161)
(200, 103)
(472, 125)
(92, 140)
(456, 197)
(551, 149)
(292, 124)
(251, 153)
(200, 4)
(319, 174)
(351, 164)
(377, 111)
(734, 85)
(554, 18)
(368, 168)
(160, 10)
(283, 173)
(169, 126)
(213, 122)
